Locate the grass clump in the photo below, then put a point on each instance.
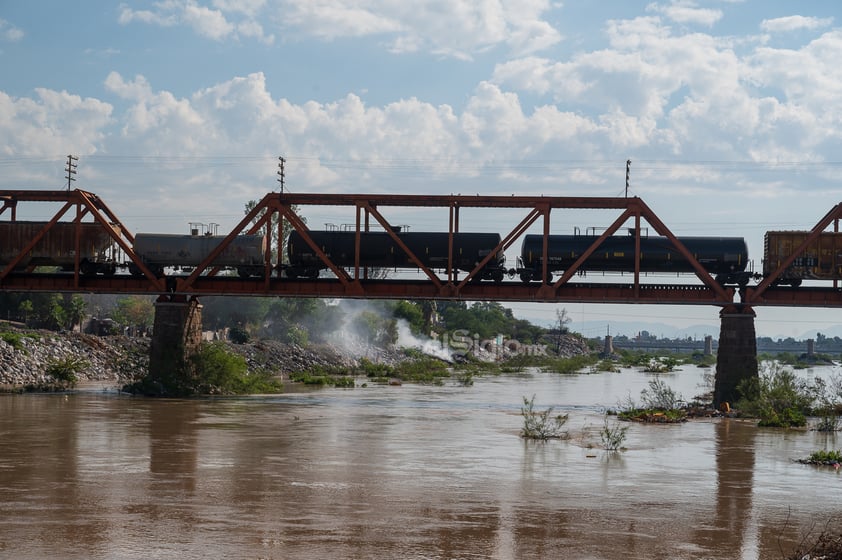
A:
(825, 457)
(13, 339)
(541, 425)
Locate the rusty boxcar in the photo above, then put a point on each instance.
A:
(58, 246)
(820, 260)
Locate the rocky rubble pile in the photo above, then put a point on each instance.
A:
(113, 358)
(124, 359)
(24, 360)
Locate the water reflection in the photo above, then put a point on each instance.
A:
(734, 478)
(409, 472)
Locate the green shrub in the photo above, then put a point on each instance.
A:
(660, 396)
(612, 435)
(422, 370)
(65, 371)
(777, 397)
(238, 335)
(13, 339)
(298, 335)
(825, 456)
(541, 425)
(660, 405)
(373, 369)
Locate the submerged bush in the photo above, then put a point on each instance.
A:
(660, 404)
(612, 435)
(541, 425)
(660, 396)
(777, 397)
(826, 456)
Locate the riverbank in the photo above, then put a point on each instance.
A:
(25, 356)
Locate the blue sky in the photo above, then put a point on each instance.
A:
(178, 109)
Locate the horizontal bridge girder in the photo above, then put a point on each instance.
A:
(381, 289)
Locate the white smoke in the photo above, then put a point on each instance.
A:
(345, 337)
(426, 345)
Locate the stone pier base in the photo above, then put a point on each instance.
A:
(177, 335)
(736, 359)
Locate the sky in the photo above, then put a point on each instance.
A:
(178, 110)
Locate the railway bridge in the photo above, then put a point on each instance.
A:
(118, 265)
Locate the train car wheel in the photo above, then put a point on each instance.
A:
(497, 276)
(795, 282)
(526, 277)
(313, 273)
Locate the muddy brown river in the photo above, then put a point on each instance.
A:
(408, 472)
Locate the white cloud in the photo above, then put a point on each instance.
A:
(458, 28)
(687, 12)
(694, 95)
(227, 20)
(208, 23)
(652, 92)
(162, 18)
(9, 32)
(793, 23)
(54, 122)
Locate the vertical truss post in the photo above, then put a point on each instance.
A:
(357, 243)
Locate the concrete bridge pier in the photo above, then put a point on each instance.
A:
(736, 359)
(177, 335)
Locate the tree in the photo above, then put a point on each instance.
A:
(56, 313)
(560, 327)
(377, 330)
(233, 311)
(25, 308)
(76, 311)
(135, 311)
(412, 313)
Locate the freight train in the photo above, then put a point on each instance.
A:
(379, 250)
(245, 253)
(725, 258)
(99, 253)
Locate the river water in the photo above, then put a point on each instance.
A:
(407, 472)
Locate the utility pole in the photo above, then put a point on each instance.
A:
(70, 169)
(281, 175)
(628, 170)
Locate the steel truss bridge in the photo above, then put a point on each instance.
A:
(372, 210)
